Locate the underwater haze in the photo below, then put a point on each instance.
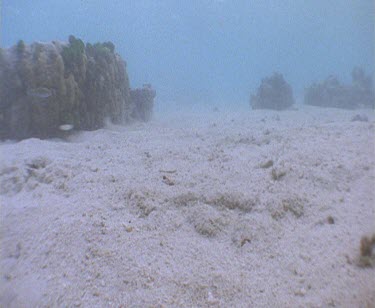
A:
(209, 51)
(247, 182)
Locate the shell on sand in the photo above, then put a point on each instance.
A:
(40, 92)
(66, 127)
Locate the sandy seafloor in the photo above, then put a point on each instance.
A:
(180, 212)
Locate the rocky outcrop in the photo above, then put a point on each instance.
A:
(48, 88)
(331, 93)
(273, 93)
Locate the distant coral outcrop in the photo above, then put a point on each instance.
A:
(273, 93)
(331, 93)
(47, 88)
(143, 99)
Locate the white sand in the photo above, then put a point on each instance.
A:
(92, 222)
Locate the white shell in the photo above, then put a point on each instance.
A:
(66, 127)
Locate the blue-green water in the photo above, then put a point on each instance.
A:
(209, 50)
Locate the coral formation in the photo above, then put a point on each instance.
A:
(21, 47)
(143, 99)
(331, 93)
(47, 86)
(273, 93)
(74, 51)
